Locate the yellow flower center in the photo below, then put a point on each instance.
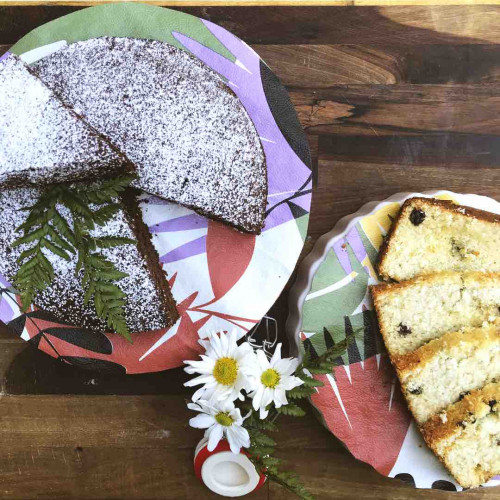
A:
(224, 419)
(225, 371)
(270, 378)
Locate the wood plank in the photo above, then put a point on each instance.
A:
(316, 66)
(453, 25)
(399, 109)
(450, 155)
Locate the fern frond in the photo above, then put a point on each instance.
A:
(292, 410)
(46, 228)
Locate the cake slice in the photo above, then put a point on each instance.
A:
(431, 235)
(414, 312)
(466, 436)
(186, 131)
(44, 142)
(444, 370)
(150, 305)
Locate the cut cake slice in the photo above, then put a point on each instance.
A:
(466, 436)
(185, 130)
(44, 142)
(431, 235)
(414, 312)
(150, 305)
(442, 371)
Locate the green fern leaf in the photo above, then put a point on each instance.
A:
(112, 241)
(291, 410)
(31, 237)
(300, 392)
(55, 249)
(26, 254)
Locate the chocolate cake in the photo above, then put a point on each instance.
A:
(185, 130)
(41, 140)
(150, 305)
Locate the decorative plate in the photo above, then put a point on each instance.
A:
(221, 279)
(361, 403)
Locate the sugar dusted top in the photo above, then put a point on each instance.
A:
(41, 141)
(188, 134)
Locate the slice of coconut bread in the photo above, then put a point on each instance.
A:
(446, 369)
(466, 436)
(414, 312)
(431, 235)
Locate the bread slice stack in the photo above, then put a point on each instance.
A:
(440, 321)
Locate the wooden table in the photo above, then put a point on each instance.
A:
(393, 99)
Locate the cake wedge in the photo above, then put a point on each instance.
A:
(149, 302)
(416, 311)
(431, 235)
(466, 436)
(446, 369)
(182, 126)
(44, 142)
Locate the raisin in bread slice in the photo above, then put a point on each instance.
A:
(44, 142)
(466, 436)
(414, 312)
(431, 235)
(442, 371)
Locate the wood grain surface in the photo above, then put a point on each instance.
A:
(393, 99)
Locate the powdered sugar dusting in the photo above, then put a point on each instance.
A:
(41, 141)
(64, 297)
(186, 131)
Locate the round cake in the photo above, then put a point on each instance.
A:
(185, 130)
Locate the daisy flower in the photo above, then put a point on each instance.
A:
(222, 369)
(220, 420)
(270, 379)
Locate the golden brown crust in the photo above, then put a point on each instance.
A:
(378, 290)
(375, 293)
(473, 406)
(412, 360)
(418, 202)
(387, 240)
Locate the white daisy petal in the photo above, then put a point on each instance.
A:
(280, 398)
(201, 379)
(276, 355)
(201, 421)
(233, 440)
(262, 360)
(284, 367)
(257, 398)
(215, 437)
(198, 394)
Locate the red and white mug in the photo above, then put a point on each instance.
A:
(225, 472)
